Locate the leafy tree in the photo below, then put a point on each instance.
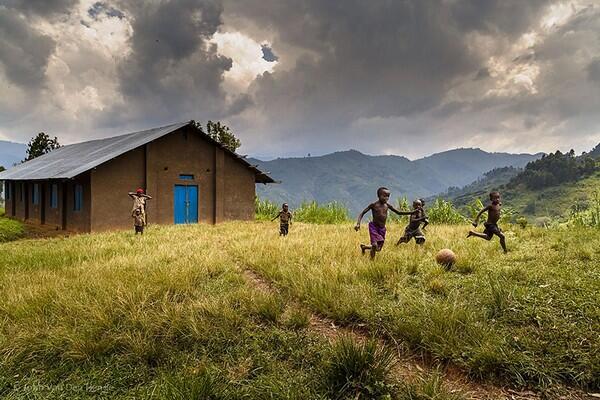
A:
(40, 145)
(221, 133)
(2, 168)
(554, 169)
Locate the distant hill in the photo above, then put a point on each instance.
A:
(548, 187)
(11, 153)
(351, 177)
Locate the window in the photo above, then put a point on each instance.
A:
(78, 199)
(186, 177)
(35, 194)
(54, 195)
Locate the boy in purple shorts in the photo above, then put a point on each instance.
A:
(379, 209)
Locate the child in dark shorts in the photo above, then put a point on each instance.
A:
(491, 225)
(285, 219)
(377, 231)
(138, 221)
(413, 229)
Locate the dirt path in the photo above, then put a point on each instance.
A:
(409, 367)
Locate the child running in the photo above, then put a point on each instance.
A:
(285, 219)
(491, 226)
(377, 230)
(413, 229)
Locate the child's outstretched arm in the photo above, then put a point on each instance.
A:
(277, 216)
(400, 212)
(476, 222)
(361, 215)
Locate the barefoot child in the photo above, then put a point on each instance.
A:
(491, 226)
(139, 202)
(413, 229)
(138, 221)
(285, 219)
(379, 210)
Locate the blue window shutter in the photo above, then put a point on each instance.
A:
(35, 194)
(78, 203)
(54, 196)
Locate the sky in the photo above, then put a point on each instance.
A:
(293, 77)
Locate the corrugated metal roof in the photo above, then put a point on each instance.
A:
(69, 161)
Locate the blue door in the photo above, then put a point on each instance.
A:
(186, 204)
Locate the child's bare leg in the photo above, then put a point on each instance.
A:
(503, 242)
(479, 235)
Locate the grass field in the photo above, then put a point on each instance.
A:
(172, 315)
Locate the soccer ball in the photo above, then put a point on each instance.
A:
(445, 257)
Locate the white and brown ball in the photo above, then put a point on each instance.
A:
(445, 257)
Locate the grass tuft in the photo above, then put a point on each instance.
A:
(359, 370)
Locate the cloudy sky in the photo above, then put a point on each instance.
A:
(292, 77)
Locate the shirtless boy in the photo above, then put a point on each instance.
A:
(413, 230)
(491, 226)
(379, 210)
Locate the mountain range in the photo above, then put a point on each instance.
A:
(352, 178)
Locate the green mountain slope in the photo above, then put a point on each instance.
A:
(550, 187)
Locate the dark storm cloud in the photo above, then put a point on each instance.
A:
(377, 76)
(509, 17)
(376, 59)
(24, 52)
(593, 70)
(41, 7)
(173, 72)
(483, 73)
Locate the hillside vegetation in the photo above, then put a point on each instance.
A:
(173, 315)
(556, 185)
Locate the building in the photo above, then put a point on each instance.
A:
(83, 187)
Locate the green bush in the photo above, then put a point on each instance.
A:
(443, 212)
(589, 217)
(265, 210)
(330, 213)
(309, 212)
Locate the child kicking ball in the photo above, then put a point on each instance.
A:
(491, 226)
